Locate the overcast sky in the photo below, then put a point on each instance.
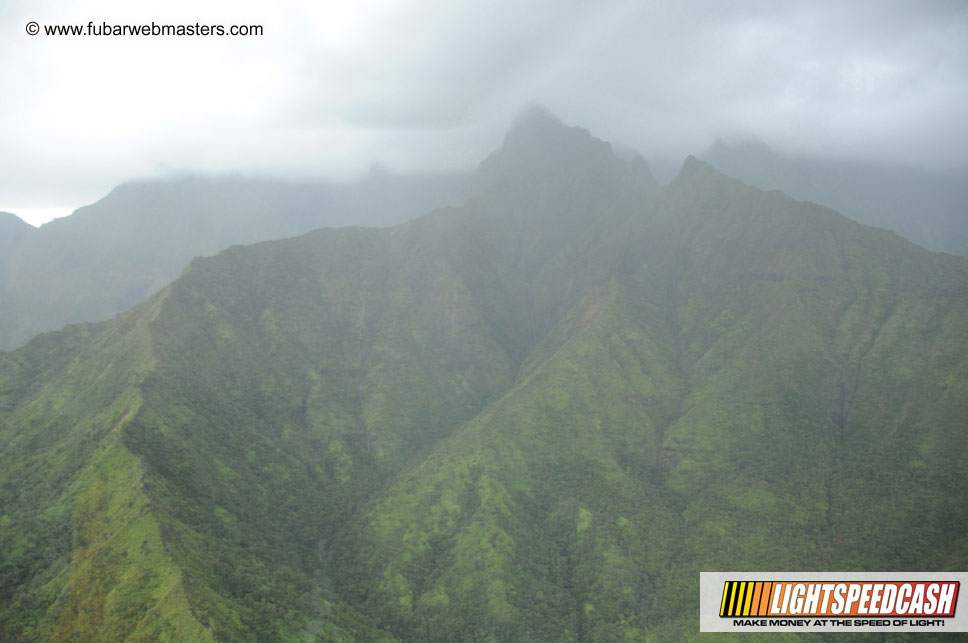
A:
(332, 87)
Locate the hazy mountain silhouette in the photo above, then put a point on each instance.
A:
(12, 231)
(114, 253)
(928, 208)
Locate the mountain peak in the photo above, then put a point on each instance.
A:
(12, 229)
(537, 131)
(342, 432)
(693, 167)
(540, 149)
(533, 119)
(12, 220)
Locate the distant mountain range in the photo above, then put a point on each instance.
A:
(536, 415)
(114, 253)
(930, 209)
(110, 255)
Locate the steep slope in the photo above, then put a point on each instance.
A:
(930, 209)
(779, 388)
(81, 547)
(12, 231)
(320, 366)
(287, 384)
(539, 206)
(108, 256)
(535, 416)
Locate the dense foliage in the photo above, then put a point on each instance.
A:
(535, 417)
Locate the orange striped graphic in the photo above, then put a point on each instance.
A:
(746, 598)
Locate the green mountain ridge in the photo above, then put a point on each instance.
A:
(533, 417)
(110, 255)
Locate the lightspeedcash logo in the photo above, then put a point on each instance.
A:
(831, 602)
(771, 598)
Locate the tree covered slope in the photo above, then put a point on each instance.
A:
(533, 417)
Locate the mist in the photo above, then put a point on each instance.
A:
(325, 92)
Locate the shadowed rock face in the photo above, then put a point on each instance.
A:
(536, 415)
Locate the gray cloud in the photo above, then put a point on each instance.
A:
(421, 85)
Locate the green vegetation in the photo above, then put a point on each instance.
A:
(535, 417)
(111, 254)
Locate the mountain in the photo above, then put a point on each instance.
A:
(12, 232)
(535, 416)
(930, 209)
(108, 256)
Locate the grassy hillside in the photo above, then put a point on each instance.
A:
(533, 417)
